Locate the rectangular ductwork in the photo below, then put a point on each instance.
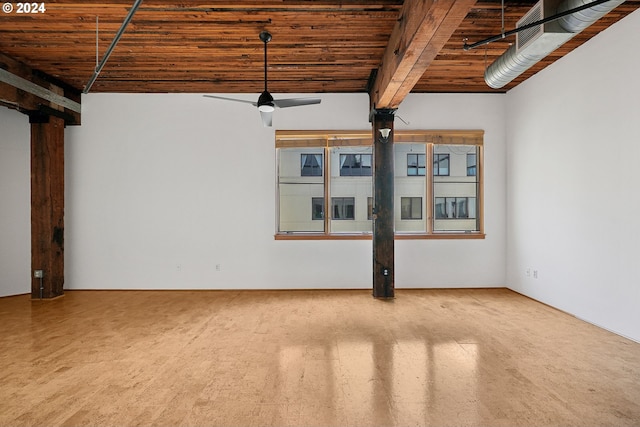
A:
(544, 38)
(535, 43)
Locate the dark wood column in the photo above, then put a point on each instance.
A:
(47, 206)
(383, 222)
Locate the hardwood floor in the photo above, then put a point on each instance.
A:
(298, 358)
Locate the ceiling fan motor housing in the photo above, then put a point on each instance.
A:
(265, 102)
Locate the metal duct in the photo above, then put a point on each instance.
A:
(578, 21)
(516, 61)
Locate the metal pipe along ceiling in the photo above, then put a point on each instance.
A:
(513, 62)
(112, 46)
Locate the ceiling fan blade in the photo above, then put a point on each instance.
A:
(255, 104)
(295, 102)
(267, 118)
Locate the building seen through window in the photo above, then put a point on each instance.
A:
(416, 164)
(343, 207)
(411, 208)
(355, 164)
(328, 188)
(311, 165)
(471, 164)
(440, 164)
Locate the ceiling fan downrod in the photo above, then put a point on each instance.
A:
(265, 101)
(266, 104)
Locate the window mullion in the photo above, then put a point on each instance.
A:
(479, 188)
(327, 192)
(429, 187)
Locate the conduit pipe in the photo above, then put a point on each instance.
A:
(513, 62)
(112, 46)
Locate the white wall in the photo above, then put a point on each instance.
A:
(162, 188)
(460, 263)
(15, 203)
(573, 199)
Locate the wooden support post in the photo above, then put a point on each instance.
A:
(383, 222)
(47, 206)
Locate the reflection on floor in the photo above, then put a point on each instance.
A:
(298, 358)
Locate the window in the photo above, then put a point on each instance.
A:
(471, 164)
(410, 208)
(325, 184)
(311, 164)
(350, 178)
(416, 164)
(343, 207)
(355, 164)
(455, 207)
(410, 184)
(456, 194)
(296, 191)
(317, 208)
(440, 164)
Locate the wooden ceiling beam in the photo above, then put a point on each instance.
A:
(423, 28)
(35, 93)
(318, 46)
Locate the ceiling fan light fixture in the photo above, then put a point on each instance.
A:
(266, 108)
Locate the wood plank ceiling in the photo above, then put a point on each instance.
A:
(213, 46)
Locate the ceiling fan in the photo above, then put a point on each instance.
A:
(266, 104)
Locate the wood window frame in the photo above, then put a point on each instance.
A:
(337, 138)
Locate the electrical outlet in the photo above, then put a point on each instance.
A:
(218, 267)
(535, 274)
(38, 274)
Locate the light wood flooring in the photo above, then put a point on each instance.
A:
(301, 358)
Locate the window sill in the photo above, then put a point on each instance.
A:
(368, 236)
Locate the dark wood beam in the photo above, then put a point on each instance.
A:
(421, 32)
(34, 92)
(383, 219)
(47, 206)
